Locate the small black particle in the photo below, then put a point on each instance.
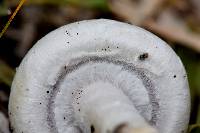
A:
(92, 129)
(79, 93)
(108, 46)
(77, 33)
(67, 42)
(117, 47)
(47, 91)
(77, 103)
(79, 110)
(64, 118)
(65, 67)
(143, 56)
(72, 93)
(174, 76)
(105, 49)
(40, 103)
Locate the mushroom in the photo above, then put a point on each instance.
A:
(100, 76)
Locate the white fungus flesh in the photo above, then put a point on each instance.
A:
(100, 76)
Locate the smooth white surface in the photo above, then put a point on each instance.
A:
(41, 66)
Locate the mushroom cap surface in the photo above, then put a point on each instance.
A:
(73, 56)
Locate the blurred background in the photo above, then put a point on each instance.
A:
(175, 21)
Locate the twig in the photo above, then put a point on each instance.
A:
(135, 12)
(184, 37)
(12, 17)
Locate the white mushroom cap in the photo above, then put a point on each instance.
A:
(96, 75)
